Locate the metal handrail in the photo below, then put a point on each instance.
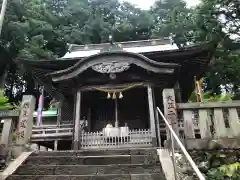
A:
(174, 135)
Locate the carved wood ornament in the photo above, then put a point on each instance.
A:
(111, 67)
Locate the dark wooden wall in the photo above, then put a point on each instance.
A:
(67, 109)
(132, 109)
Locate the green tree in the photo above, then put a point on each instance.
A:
(212, 20)
(41, 29)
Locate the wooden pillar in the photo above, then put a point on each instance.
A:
(178, 92)
(158, 130)
(6, 137)
(77, 120)
(170, 110)
(152, 115)
(59, 113)
(116, 114)
(89, 119)
(55, 145)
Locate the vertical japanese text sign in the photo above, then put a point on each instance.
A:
(25, 123)
(170, 110)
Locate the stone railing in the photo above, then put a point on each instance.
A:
(210, 120)
(8, 113)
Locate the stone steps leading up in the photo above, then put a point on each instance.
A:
(133, 151)
(155, 176)
(91, 160)
(120, 164)
(87, 170)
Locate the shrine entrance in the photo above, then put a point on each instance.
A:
(119, 119)
(114, 103)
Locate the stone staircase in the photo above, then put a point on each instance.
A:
(119, 164)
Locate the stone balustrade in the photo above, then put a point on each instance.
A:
(213, 120)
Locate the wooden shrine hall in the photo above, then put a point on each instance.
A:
(109, 92)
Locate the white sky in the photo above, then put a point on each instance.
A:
(146, 4)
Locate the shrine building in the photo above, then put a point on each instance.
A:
(109, 92)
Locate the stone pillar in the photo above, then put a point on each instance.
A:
(6, 137)
(170, 110)
(25, 123)
(152, 115)
(204, 124)
(188, 124)
(234, 122)
(220, 128)
(77, 121)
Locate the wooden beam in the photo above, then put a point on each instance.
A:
(110, 86)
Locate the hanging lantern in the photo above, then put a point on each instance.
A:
(109, 95)
(114, 95)
(120, 95)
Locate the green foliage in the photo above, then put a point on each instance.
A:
(212, 20)
(4, 105)
(231, 171)
(41, 29)
(209, 96)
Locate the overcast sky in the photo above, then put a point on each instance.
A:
(146, 4)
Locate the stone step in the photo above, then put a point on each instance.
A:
(92, 160)
(155, 176)
(139, 151)
(87, 170)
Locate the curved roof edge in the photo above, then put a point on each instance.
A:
(118, 56)
(81, 51)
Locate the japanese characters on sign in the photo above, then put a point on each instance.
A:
(170, 109)
(23, 120)
(171, 113)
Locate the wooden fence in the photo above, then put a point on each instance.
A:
(135, 138)
(46, 132)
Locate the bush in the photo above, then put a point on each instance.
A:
(230, 171)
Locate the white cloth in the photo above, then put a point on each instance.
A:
(109, 126)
